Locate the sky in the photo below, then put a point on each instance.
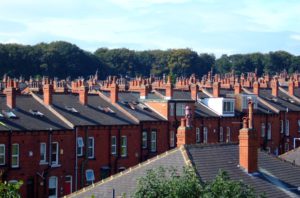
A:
(206, 26)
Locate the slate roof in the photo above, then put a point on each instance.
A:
(209, 159)
(127, 181)
(281, 102)
(275, 177)
(91, 114)
(25, 119)
(293, 156)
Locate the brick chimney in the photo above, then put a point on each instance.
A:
(185, 135)
(144, 90)
(248, 144)
(169, 89)
(275, 87)
(256, 87)
(237, 88)
(10, 95)
(291, 87)
(114, 90)
(194, 91)
(48, 90)
(83, 95)
(216, 89)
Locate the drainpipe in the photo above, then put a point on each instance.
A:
(83, 164)
(76, 158)
(141, 145)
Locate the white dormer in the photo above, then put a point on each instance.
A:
(221, 106)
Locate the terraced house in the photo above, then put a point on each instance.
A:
(59, 136)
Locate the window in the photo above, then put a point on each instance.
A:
(144, 139)
(123, 146)
(113, 145)
(263, 130)
(80, 146)
(298, 125)
(54, 153)
(221, 134)
(205, 134)
(91, 147)
(2, 154)
(287, 127)
(89, 175)
(228, 138)
(228, 107)
(281, 126)
(15, 156)
(172, 138)
(198, 135)
(269, 131)
(180, 109)
(153, 141)
(43, 154)
(53, 187)
(171, 109)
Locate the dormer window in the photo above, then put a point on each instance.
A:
(71, 109)
(9, 114)
(228, 107)
(36, 113)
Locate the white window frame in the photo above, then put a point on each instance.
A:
(17, 156)
(3, 154)
(263, 130)
(172, 138)
(228, 134)
(80, 145)
(91, 148)
(198, 137)
(113, 145)
(43, 153)
(205, 135)
(144, 139)
(56, 184)
(228, 107)
(123, 146)
(153, 141)
(53, 163)
(281, 126)
(180, 109)
(287, 127)
(221, 134)
(269, 134)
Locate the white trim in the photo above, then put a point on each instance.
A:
(113, 151)
(91, 147)
(54, 163)
(15, 155)
(153, 141)
(205, 134)
(44, 154)
(144, 139)
(3, 154)
(56, 184)
(123, 146)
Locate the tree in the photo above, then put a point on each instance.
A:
(10, 190)
(163, 182)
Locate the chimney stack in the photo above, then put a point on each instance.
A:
(237, 88)
(216, 89)
(10, 94)
(114, 90)
(275, 87)
(256, 87)
(169, 89)
(194, 91)
(185, 134)
(83, 95)
(248, 145)
(48, 90)
(291, 87)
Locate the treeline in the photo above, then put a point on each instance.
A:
(61, 59)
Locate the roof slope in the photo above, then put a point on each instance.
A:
(292, 156)
(125, 182)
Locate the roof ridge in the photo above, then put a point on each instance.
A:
(140, 165)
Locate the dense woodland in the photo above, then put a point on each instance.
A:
(62, 59)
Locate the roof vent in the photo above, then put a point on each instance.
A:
(36, 113)
(71, 109)
(9, 114)
(142, 106)
(109, 110)
(291, 100)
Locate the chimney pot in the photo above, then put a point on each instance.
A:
(291, 87)
(216, 89)
(275, 88)
(256, 87)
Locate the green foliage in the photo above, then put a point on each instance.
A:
(163, 182)
(10, 190)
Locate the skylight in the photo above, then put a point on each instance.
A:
(9, 114)
(71, 109)
(36, 113)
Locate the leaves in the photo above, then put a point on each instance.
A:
(10, 190)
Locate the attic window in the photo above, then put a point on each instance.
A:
(9, 114)
(36, 113)
(71, 109)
